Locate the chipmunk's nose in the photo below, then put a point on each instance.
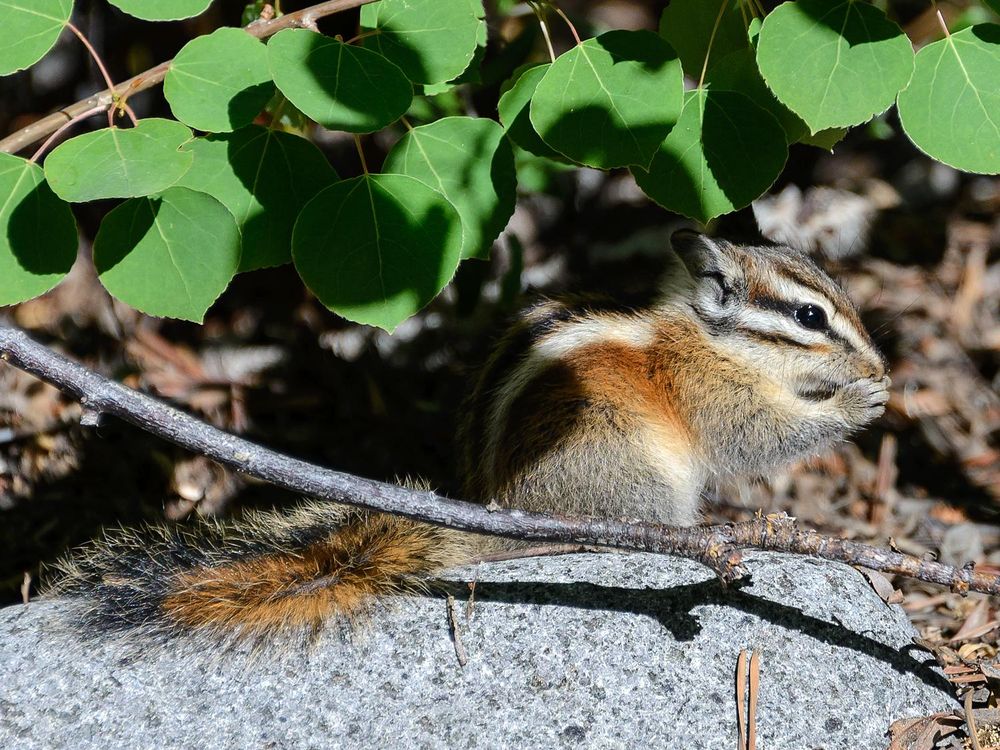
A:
(878, 368)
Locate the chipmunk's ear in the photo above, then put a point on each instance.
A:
(715, 271)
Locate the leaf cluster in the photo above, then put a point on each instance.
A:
(701, 111)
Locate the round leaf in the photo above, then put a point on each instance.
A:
(169, 255)
(610, 101)
(431, 40)
(377, 248)
(31, 28)
(119, 163)
(951, 108)
(220, 81)
(514, 106)
(263, 177)
(340, 86)
(37, 232)
(471, 163)
(724, 152)
(162, 10)
(835, 63)
(689, 25)
(737, 71)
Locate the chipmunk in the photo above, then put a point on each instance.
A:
(748, 358)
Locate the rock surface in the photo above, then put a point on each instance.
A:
(595, 651)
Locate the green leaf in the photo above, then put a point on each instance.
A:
(170, 255)
(824, 139)
(724, 152)
(951, 109)
(471, 163)
(119, 163)
(162, 10)
(377, 248)
(37, 232)
(835, 63)
(994, 4)
(263, 177)
(219, 82)
(31, 28)
(610, 101)
(737, 71)
(689, 25)
(340, 86)
(432, 41)
(514, 106)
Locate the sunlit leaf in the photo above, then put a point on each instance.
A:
(724, 152)
(263, 177)
(951, 108)
(38, 238)
(220, 81)
(170, 255)
(119, 162)
(835, 63)
(431, 40)
(610, 101)
(471, 163)
(30, 29)
(340, 86)
(162, 10)
(377, 248)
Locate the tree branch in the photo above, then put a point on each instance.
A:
(718, 547)
(305, 18)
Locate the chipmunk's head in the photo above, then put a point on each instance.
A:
(776, 308)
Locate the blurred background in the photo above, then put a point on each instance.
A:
(916, 244)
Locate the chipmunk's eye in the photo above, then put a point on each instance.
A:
(811, 317)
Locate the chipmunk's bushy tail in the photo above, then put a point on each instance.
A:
(269, 572)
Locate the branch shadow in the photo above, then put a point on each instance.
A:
(674, 608)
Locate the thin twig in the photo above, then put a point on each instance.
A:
(718, 547)
(261, 29)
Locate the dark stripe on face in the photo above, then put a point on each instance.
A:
(774, 338)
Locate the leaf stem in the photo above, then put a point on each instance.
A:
(361, 152)
(940, 18)
(569, 23)
(66, 126)
(543, 25)
(364, 35)
(711, 41)
(406, 123)
(104, 74)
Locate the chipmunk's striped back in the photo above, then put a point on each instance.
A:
(588, 406)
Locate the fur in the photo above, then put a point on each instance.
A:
(586, 406)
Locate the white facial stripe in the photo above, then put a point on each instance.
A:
(789, 290)
(566, 338)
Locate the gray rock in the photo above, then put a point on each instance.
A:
(595, 651)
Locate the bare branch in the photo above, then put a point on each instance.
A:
(154, 76)
(718, 547)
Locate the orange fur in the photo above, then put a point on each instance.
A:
(370, 556)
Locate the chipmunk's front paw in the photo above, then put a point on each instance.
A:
(863, 401)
